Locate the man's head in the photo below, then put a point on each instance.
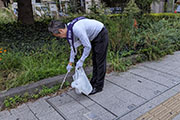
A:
(58, 28)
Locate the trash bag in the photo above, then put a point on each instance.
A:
(81, 82)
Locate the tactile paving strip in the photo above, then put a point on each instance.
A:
(165, 111)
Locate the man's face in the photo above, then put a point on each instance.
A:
(62, 33)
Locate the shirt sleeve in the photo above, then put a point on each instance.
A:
(84, 40)
(73, 54)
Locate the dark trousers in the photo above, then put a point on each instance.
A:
(99, 53)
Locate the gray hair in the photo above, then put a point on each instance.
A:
(55, 25)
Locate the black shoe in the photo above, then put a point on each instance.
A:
(95, 90)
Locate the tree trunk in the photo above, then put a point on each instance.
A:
(25, 12)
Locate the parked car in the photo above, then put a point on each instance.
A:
(63, 14)
(113, 10)
(116, 10)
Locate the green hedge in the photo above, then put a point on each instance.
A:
(33, 53)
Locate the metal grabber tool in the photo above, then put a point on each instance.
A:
(64, 80)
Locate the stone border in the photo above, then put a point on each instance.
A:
(30, 88)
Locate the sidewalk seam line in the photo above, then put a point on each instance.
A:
(32, 112)
(56, 109)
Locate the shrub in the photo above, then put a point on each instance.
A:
(33, 53)
(6, 16)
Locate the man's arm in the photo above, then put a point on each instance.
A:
(82, 35)
(72, 54)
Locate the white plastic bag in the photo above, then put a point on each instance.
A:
(81, 82)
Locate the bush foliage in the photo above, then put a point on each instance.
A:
(33, 53)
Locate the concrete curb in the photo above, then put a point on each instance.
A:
(30, 88)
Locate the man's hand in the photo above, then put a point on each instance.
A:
(79, 64)
(69, 67)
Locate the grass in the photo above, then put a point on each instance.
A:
(18, 69)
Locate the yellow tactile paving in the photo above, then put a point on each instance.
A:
(170, 103)
(168, 116)
(157, 110)
(162, 113)
(177, 103)
(165, 111)
(177, 96)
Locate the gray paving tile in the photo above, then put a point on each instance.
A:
(174, 72)
(169, 93)
(156, 76)
(4, 114)
(70, 108)
(20, 116)
(138, 112)
(170, 67)
(177, 117)
(20, 109)
(159, 99)
(108, 91)
(61, 99)
(131, 116)
(40, 107)
(51, 116)
(79, 115)
(177, 88)
(22, 112)
(84, 100)
(163, 97)
(143, 92)
(130, 99)
(138, 85)
(11, 117)
(156, 64)
(100, 112)
(121, 102)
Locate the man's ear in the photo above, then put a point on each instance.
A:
(61, 30)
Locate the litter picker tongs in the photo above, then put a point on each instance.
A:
(64, 80)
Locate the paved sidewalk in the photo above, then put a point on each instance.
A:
(149, 89)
